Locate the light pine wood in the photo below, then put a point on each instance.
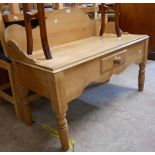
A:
(59, 106)
(141, 77)
(64, 58)
(79, 60)
(63, 131)
(58, 6)
(20, 94)
(14, 7)
(96, 9)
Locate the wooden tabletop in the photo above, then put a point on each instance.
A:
(77, 52)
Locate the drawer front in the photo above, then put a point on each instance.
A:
(117, 62)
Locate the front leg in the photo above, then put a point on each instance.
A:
(63, 131)
(59, 106)
(141, 77)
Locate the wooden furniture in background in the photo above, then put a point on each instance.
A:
(7, 79)
(17, 15)
(57, 6)
(14, 8)
(4, 65)
(80, 57)
(139, 19)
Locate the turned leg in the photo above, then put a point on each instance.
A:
(59, 105)
(141, 77)
(63, 130)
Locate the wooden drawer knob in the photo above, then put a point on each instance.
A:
(118, 60)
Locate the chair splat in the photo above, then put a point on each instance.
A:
(115, 7)
(40, 15)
